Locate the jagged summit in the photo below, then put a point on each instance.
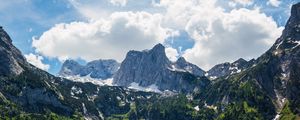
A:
(98, 69)
(225, 69)
(181, 60)
(152, 67)
(240, 60)
(158, 46)
(182, 64)
(295, 12)
(71, 62)
(291, 34)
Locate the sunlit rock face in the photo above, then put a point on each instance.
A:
(152, 67)
(10, 56)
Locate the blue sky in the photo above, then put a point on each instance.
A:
(205, 32)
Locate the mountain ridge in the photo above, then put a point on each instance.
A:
(268, 90)
(152, 67)
(98, 69)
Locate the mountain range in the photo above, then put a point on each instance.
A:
(264, 88)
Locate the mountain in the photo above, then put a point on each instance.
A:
(269, 89)
(227, 68)
(153, 68)
(182, 64)
(27, 92)
(97, 69)
(10, 56)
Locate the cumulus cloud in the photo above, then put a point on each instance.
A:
(111, 38)
(36, 60)
(274, 3)
(227, 36)
(219, 33)
(171, 53)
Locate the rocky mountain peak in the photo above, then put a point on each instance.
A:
(295, 12)
(158, 48)
(98, 69)
(4, 36)
(184, 65)
(153, 68)
(10, 56)
(291, 33)
(240, 60)
(225, 69)
(158, 54)
(70, 62)
(181, 60)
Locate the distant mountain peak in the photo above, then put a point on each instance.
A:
(159, 46)
(181, 60)
(70, 62)
(152, 67)
(240, 60)
(158, 49)
(225, 69)
(97, 69)
(295, 12)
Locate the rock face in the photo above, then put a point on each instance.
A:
(98, 69)
(182, 64)
(284, 62)
(10, 56)
(154, 68)
(275, 77)
(227, 68)
(23, 83)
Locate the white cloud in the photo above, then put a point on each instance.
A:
(111, 38)
(180, 12)
(221, 34)
(228, 36)
(274, 3)
(36, 60)
(171, 53)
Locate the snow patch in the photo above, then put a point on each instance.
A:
(280, 99)
(76, 90)
(213, 77)
(189, 69)
(118, 98)
(173, 68)
(87, 78)
(279, 44)
(84, 108)
(276, 117)
(197, 108)
(189, 97)
(151, 88)
(206, 74)
(297, 44)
